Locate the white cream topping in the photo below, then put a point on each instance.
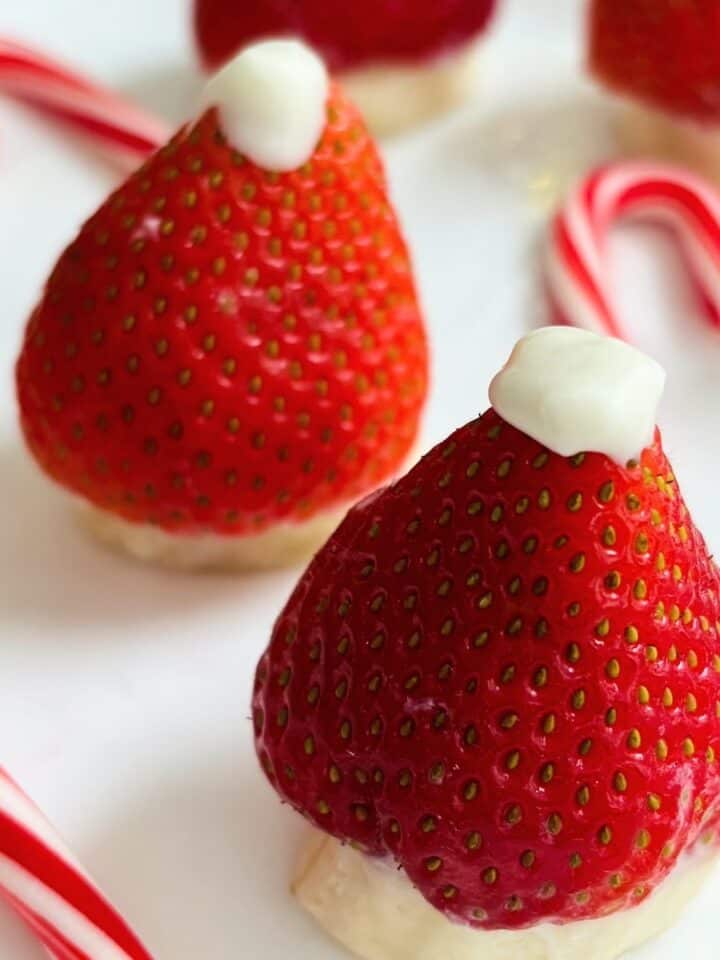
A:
(576, 392)
(272, 99)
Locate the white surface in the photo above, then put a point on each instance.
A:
(272, 100)
(576, 392)
(123, 692)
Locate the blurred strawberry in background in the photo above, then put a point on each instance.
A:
(402, 60)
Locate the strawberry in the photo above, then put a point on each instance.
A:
(503, 671)
(662, 52)
(224, 347)
(346, 35)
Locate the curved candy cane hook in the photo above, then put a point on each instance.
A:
(576, 268)
(56, 91)
(47, 887)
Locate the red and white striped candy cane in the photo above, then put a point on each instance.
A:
(577, 268)
(44, 883)
(54, 90)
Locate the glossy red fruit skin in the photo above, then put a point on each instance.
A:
(222, 348)
(663, 53)
(476, 677)
(347, 35)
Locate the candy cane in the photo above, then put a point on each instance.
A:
(577, 269)
(44, 883)
(32, 78)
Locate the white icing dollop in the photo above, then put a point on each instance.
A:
(272, 99)
(576, 392)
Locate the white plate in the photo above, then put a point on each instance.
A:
(124, 692)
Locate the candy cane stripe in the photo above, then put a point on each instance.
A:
(47, 887)
(577, 269)
(17, 805)
(55, 944)
(60, 878)
(51, 915)
(579, 285)
(33, 79)
(97, 127)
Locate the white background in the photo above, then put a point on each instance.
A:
(124, 692)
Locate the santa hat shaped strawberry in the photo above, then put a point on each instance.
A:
(231, 351)
(502, 676)
(665, 57)
(400, 60)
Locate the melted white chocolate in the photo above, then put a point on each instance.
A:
(272, 99)
(577, 392)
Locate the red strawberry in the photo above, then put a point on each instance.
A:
(346, 35)
(662, 52)
(504, 671)
(222, 347)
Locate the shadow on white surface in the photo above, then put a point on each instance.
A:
(537, 148)
(201, 865)
(52, 573)
(170, 90)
